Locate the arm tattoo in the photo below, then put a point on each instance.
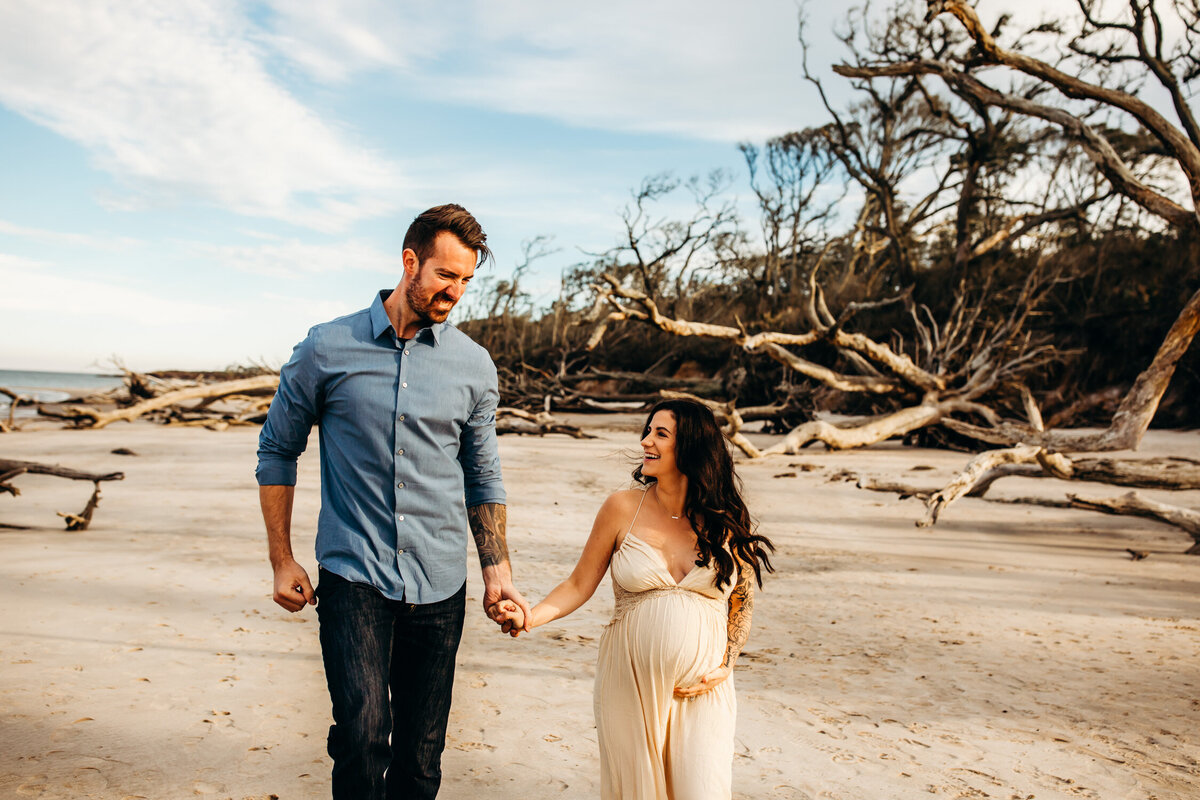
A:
(488, 523)
(741, 607)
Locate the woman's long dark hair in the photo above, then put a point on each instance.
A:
(714, 504)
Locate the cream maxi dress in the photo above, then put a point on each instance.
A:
(654, 746)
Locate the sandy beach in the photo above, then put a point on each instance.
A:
(1012, 651)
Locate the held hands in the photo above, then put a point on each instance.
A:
(709, 681)
(292, 587)
(509, 616)
(498, 590)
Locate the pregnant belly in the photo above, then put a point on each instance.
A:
(675, 636)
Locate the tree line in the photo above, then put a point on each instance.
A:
(994, 211)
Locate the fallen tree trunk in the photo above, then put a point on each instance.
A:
(700, 386)
(10, 469)
(1135, 505)
(1131, 504)
(14, 401)
(875, 429)
(1133, 416)
(518, 421)
(86, 417)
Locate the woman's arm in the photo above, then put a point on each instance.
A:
(589, 571)
(741, 608)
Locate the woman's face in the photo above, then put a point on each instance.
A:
(658, 446)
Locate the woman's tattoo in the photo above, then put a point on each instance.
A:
(488, 523)
(741, 607)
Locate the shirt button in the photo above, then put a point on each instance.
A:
(400, 452)
(400, 485)
(402, 520)
(402, 418)
(400, 552)
(405, 352)
(404, 385)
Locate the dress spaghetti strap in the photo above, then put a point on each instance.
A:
(645, 492)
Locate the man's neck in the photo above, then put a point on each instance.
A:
(404, 322)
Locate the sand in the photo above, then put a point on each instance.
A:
(1013, 651)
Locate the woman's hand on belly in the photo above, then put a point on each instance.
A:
(708, 681)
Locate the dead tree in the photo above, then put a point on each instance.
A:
(1144, 44)
(1138, 38)
(88, 417)
(10, 469)
(958, 362)
(519, 421)
(14, 400)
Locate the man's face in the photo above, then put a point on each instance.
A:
(440, 279)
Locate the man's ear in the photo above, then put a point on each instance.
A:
(411, 263)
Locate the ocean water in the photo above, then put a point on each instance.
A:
(51, 387)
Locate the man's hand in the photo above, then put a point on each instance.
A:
(497, 588)
(292, 587)
(509, 617)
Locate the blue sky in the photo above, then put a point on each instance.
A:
(193, 183)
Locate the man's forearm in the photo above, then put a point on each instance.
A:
(276, 502)
(489, 527)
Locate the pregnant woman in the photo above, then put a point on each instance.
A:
(684, 563)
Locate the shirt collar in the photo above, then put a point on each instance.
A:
(380, 322)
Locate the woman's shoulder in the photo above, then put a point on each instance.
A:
(623, 500)
(617, 512)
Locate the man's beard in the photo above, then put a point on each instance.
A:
(423, 307)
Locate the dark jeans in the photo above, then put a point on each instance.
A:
(390, 668)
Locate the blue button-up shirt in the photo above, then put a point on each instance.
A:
(408, 443)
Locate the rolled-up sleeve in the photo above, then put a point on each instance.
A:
(479, 452)
(293, 411)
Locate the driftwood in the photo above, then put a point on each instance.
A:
(1136, 505)
(876, 429)
(1131, 504)
(939, 376)
(14, 401)
(10, 469)
(707, 387)
(81, 521)
(1104, 401)
(87, 417)
(1133, 417)
(1029, 460)
(519, 421)
(1172, 473)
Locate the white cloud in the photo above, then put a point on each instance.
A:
(291, 257)
(334, 39)
(175, 99)
(64, 237)
(303, 311)
(710, 70)
(31, 289)
(705, 69)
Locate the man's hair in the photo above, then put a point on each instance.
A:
(451, 218)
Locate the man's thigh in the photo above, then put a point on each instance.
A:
(356, 641)
(424, 646)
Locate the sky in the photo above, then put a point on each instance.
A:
(192, 184)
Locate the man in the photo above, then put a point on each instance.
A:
(406, 407)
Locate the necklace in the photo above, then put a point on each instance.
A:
(660, 504)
